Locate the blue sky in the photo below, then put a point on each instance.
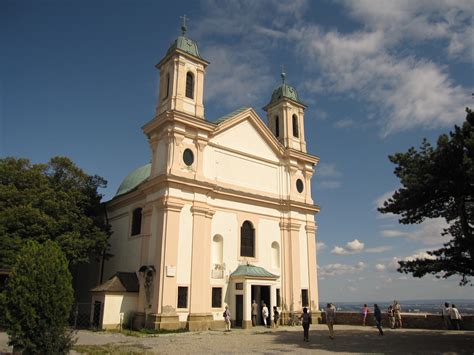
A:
(77, 78)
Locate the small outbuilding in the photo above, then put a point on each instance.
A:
(114, 301)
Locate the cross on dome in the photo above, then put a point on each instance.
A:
(283, 74)
(183, 25)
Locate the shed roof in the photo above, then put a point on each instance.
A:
(120, 282)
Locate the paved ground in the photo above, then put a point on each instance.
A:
(349, 339)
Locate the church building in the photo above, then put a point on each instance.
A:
(221, 216)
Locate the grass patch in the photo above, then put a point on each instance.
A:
(111, 349)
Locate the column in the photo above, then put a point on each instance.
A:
(312, 265)
(200, 316)
(165, 260)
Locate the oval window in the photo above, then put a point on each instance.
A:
(188, 157)
(299, 185)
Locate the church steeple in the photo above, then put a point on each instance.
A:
(285, 113)
(182, 72)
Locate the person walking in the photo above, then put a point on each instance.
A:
(455, 317)
(397, 312)
(446, 316)
(365, 311)
(265, 315)
(305, 321)
(227, 319)
(378, 318)
(330, 318)
(254, 313)
(276, 317)
(391, 318)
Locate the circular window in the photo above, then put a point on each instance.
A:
(299, 185)
(188, 157)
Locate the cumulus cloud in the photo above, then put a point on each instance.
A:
(352, 247)
(380, 267)
(355, 245)
(428, 233)
(340, 269)
(320, 246)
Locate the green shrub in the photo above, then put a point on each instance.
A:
(38, 300)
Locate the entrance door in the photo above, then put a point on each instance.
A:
(239, 310)
(261, 295)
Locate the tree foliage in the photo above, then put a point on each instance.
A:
(54, 201)
(439, 182)
(38, 300)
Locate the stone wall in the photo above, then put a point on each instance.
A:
(409, 320)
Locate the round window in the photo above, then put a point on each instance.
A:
(188, 157)
(299, 185)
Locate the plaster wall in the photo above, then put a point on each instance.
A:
(125, 249)
(114, 305)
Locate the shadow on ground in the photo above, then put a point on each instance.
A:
(394, 341)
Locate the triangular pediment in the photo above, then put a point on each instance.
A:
(247, 133)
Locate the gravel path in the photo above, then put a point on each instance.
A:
(349, 339)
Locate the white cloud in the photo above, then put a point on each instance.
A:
(338, 250)
(355, 246)
(428, 233)
(380, 249)
(352, 247)
(420, 255)
(327, 170)
(380, 267)
(320, 246)
(340, 269)
(345, 123)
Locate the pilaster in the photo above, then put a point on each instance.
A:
(311, 229)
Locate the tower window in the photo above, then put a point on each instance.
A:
(190, 85)
(247, 239)
(136, 221)
(299, 185)
(295, 127)
(277, 126)
(167, 92)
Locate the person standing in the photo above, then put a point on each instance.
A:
(254, 313)
(276, 317)
(378, 318)
(305, 321)
(227, 318)
(446, 316)
(391, 319)
(397, 312)
(330, 318)
(265, 314)
(365, 311)
(455, 317)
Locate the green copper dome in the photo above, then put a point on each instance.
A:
(186, 45)
(282, 91)
(135, 178)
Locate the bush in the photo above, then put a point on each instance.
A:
(38, 300)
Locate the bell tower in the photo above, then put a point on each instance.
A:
(285, 113)
(182, 72)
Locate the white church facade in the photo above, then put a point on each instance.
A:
(221, 216)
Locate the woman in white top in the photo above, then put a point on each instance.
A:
(455, 317)
(264, 314)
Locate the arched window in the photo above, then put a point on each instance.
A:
(277, 126)
(247, 239)
(137, 221)
(217, 249)
(275, 255)
(167, 92)
(190, 85)
(295, 127)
